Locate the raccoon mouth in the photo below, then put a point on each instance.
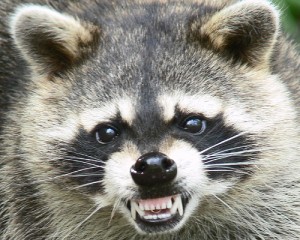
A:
(158, 214)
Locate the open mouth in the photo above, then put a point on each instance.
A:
(157, 214)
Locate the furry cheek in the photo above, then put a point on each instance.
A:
(189, 164)
(118, 182)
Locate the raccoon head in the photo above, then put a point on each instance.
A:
(154, 118)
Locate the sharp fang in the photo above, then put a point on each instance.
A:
(142, 207)
(180, 207)
(133, 210)
(175, 205)
(169, 204)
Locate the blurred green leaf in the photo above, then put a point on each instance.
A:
(290, 16)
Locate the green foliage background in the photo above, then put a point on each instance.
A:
(290, 16)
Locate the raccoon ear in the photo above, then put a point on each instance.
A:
(51, 42)
(245, 31)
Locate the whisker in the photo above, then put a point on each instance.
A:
(87, 175)
(222, 142)
(219, 199)
(66, 150)
(79, 161)
(83, 154)
(215, 157)
(116, 204)
(82, 222)
(87, 184)
(228, 169)
(247, 151)
(85, 159)
(56, 177)
(230, 149)
(231, 164)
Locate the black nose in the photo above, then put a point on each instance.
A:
(153, 168)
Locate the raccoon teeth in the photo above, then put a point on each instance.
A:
(177, 205)
(158, 208)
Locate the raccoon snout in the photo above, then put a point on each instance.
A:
(153, 168)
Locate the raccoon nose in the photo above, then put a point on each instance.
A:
(153, 168)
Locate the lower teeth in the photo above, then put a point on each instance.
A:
(160, 216)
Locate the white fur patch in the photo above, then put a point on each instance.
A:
(118, 181)
(206, 105)
(277, 110)
(90, 118)
(188, 160)
(127, 110)
(65, 132)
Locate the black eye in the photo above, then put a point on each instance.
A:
(106, 133)
(193, 124)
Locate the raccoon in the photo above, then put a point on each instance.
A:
(148, 120)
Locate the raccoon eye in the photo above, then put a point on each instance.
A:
(193, 124)
(106, 133)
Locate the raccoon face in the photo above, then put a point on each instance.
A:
(155, 137)
(170, 164)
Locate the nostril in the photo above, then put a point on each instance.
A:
(167, 163)
(140, 166)
(153, 168)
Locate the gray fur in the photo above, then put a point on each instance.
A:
(140, 61)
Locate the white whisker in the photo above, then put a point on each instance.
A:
(230, 164)
(87, 184)
(222, 142)
(79, 161)
(116, 204)
(82, 222)
(57, 177)
(85, 159)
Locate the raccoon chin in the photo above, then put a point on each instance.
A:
(159, 215)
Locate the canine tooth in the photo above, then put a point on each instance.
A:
(180, 207)
(164, 206)
(175, 205)
(133, 211)
(147, 208)
(169, 204)
(141, 207)
(137, 209)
